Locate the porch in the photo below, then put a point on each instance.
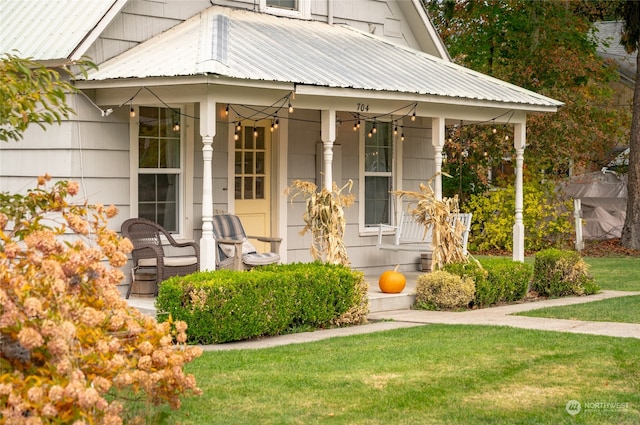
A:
(378, 301)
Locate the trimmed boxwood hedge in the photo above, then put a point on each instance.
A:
(224, 305)
(497, 280)
(559, 273)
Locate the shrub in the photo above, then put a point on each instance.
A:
(496, 280)
(559, 273)
(548, 220)
(440, 290)
(225, 305)
(70, 347)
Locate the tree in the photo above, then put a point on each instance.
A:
(630, 39)
(31, 93)
(545, 47)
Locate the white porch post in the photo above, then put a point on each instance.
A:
(437, 140)
(519, 143)
(207, 131)
(328, 118)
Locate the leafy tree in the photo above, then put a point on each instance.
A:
(630, 39)
(31, 93)
(544, 47)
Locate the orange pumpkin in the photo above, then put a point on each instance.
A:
(392, 281)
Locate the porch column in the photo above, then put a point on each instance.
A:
(207, 131)
(519, 143)
(328, 135)
(437, 140)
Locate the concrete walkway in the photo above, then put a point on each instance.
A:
(495, 316)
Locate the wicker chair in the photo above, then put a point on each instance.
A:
(235, 252)
(148, 252)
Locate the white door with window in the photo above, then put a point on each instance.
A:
(252, 182)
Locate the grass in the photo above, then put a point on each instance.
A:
(424, 375)
(615, 273)
(623, 310)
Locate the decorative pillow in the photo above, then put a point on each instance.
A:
(230, 250)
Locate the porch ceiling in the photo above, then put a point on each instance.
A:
(249, 46)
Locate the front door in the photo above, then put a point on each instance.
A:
(252, 179)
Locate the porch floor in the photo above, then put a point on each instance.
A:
(378, 301)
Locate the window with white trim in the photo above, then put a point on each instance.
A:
(160, 171)
(377, 172)
(292, 8)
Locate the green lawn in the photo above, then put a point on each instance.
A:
(433, 374)
(616, 273)
(623, 309)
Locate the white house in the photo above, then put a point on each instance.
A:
(179, 120)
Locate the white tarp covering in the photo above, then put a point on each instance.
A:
(603, 196)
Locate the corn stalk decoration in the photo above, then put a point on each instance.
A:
(437, 215)
(324, 218)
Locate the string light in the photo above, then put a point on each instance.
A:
(276, 123)
(290, 108)
(395, 130)
(255, 130)
(226, 111)
(239, 126)
(132, 112)
(374, 129)
(402, 137)
(176, 126)
(413, 116)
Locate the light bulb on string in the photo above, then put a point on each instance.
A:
(132, 112)
(290, 108)
(358, 124)
(236, 137)
(273, 126)
(370, 134)
(355, 127)
(395, 130)
(239, 126)
(413, 116)
(374, 129)
(276, 123)
(255, 131)
(402, 137)
(226, 111)
(176, 126)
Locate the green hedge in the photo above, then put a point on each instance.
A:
(497, 280)
(223, 305)
(558, 273)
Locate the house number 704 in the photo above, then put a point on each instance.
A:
(362, 107)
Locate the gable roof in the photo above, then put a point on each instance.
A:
(53, 30)
(249, 46)
(608, 36)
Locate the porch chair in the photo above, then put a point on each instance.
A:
(149, 255)
(235, 252)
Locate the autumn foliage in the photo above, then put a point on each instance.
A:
(70, 347)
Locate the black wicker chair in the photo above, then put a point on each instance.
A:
(148, 253)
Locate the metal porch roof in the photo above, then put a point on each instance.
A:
(51, 29)
(246, 45)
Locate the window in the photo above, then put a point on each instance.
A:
(292, 8)
(159, 166)
(250, 164)
(377, 173)
(283, 4)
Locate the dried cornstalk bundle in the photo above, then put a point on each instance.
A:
(439, 216)
(324, 218)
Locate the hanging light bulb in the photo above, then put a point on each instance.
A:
(370, 134)
(395, 130)
(402, 137)
(132, 112)
(255, 131)
(226, 111)
(413, 116)
(290, 108)
(176, 126)
(276, 123)
(239, 126)
(355, 127)
(272, 127)
(506, 138)
(494, 130)
(358, 125)
(374, 130)
(236, 137)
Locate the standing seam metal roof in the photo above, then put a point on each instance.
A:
(269, 48)
(48, 29)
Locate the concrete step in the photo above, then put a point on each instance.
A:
(379, 301)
